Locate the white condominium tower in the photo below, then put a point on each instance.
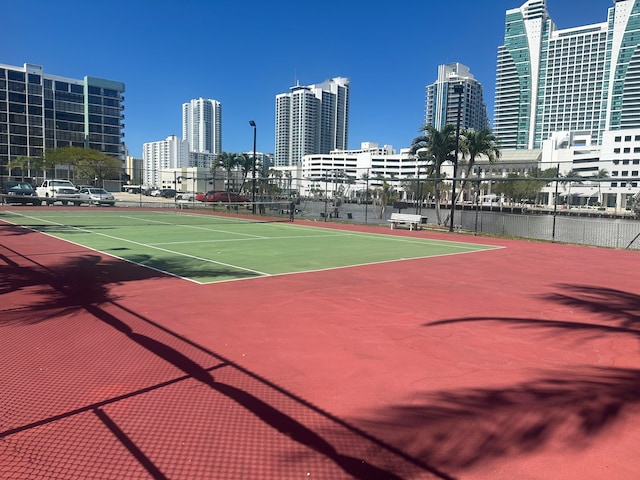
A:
(202, 125)
(442, 101)
(168, 154)
(311, 119)
(584, 79)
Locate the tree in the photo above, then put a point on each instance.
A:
(472, 145)
(245, 163)
(572, 177)
(229, 162)
(86, 162)
(602, 173)
(416, 188)
(28, 164)
(383, 197)
(435, 147)
(517, 187)
(214, 171)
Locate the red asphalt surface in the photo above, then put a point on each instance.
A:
(516, 363)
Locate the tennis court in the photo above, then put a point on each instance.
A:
(208, 248)
(404, 359)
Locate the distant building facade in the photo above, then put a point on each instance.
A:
(442, 102)
(311, 119)
(582, 79)
(133, 168)
(202, 130)
(40, 111)
(171, 153)
(202, 125)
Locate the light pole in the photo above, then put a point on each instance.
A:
(253, 188)
(459, 89)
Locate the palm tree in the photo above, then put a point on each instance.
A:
(383, 197)
(569, 179)
(273, 183)
(246, 166)
(214, 171)
(472, 145)
(228, 161)
(602, 173)
(436, 147)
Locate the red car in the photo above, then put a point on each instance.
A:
(217, 196)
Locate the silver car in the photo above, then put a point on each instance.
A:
(97, 196)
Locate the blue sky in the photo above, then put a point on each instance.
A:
(244, 53)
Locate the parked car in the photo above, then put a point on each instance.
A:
(167, 193)
(97, 196)
(20, 192)
(62, 191)
(217, 196)
(185, 196)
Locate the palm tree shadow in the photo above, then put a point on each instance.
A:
(86, 279)
(83, 284)
(460, 429)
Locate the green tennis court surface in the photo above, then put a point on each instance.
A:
(209, 248)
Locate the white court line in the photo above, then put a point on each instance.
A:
(197, 227)
(383, 236)
(288, 237)
(466, 247)
(354, 265)
(207, 260)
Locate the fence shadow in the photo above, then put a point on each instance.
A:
(83, 284)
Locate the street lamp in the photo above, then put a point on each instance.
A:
(459, 89)
(253, 190)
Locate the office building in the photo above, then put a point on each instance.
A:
(581, 79)
(442, 102)
(311, 119)
(202, 125)
(40, 111)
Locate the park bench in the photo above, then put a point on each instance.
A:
(413, 221)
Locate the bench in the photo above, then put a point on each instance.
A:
(412, 220)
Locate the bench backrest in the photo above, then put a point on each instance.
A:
(409, 217)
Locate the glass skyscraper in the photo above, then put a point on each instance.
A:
(581, 79)
(41, 111)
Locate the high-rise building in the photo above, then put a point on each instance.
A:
(202, 125)
(442, 102)
(311, 119)
(169, 154)
(40, 111)
(582, 79)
